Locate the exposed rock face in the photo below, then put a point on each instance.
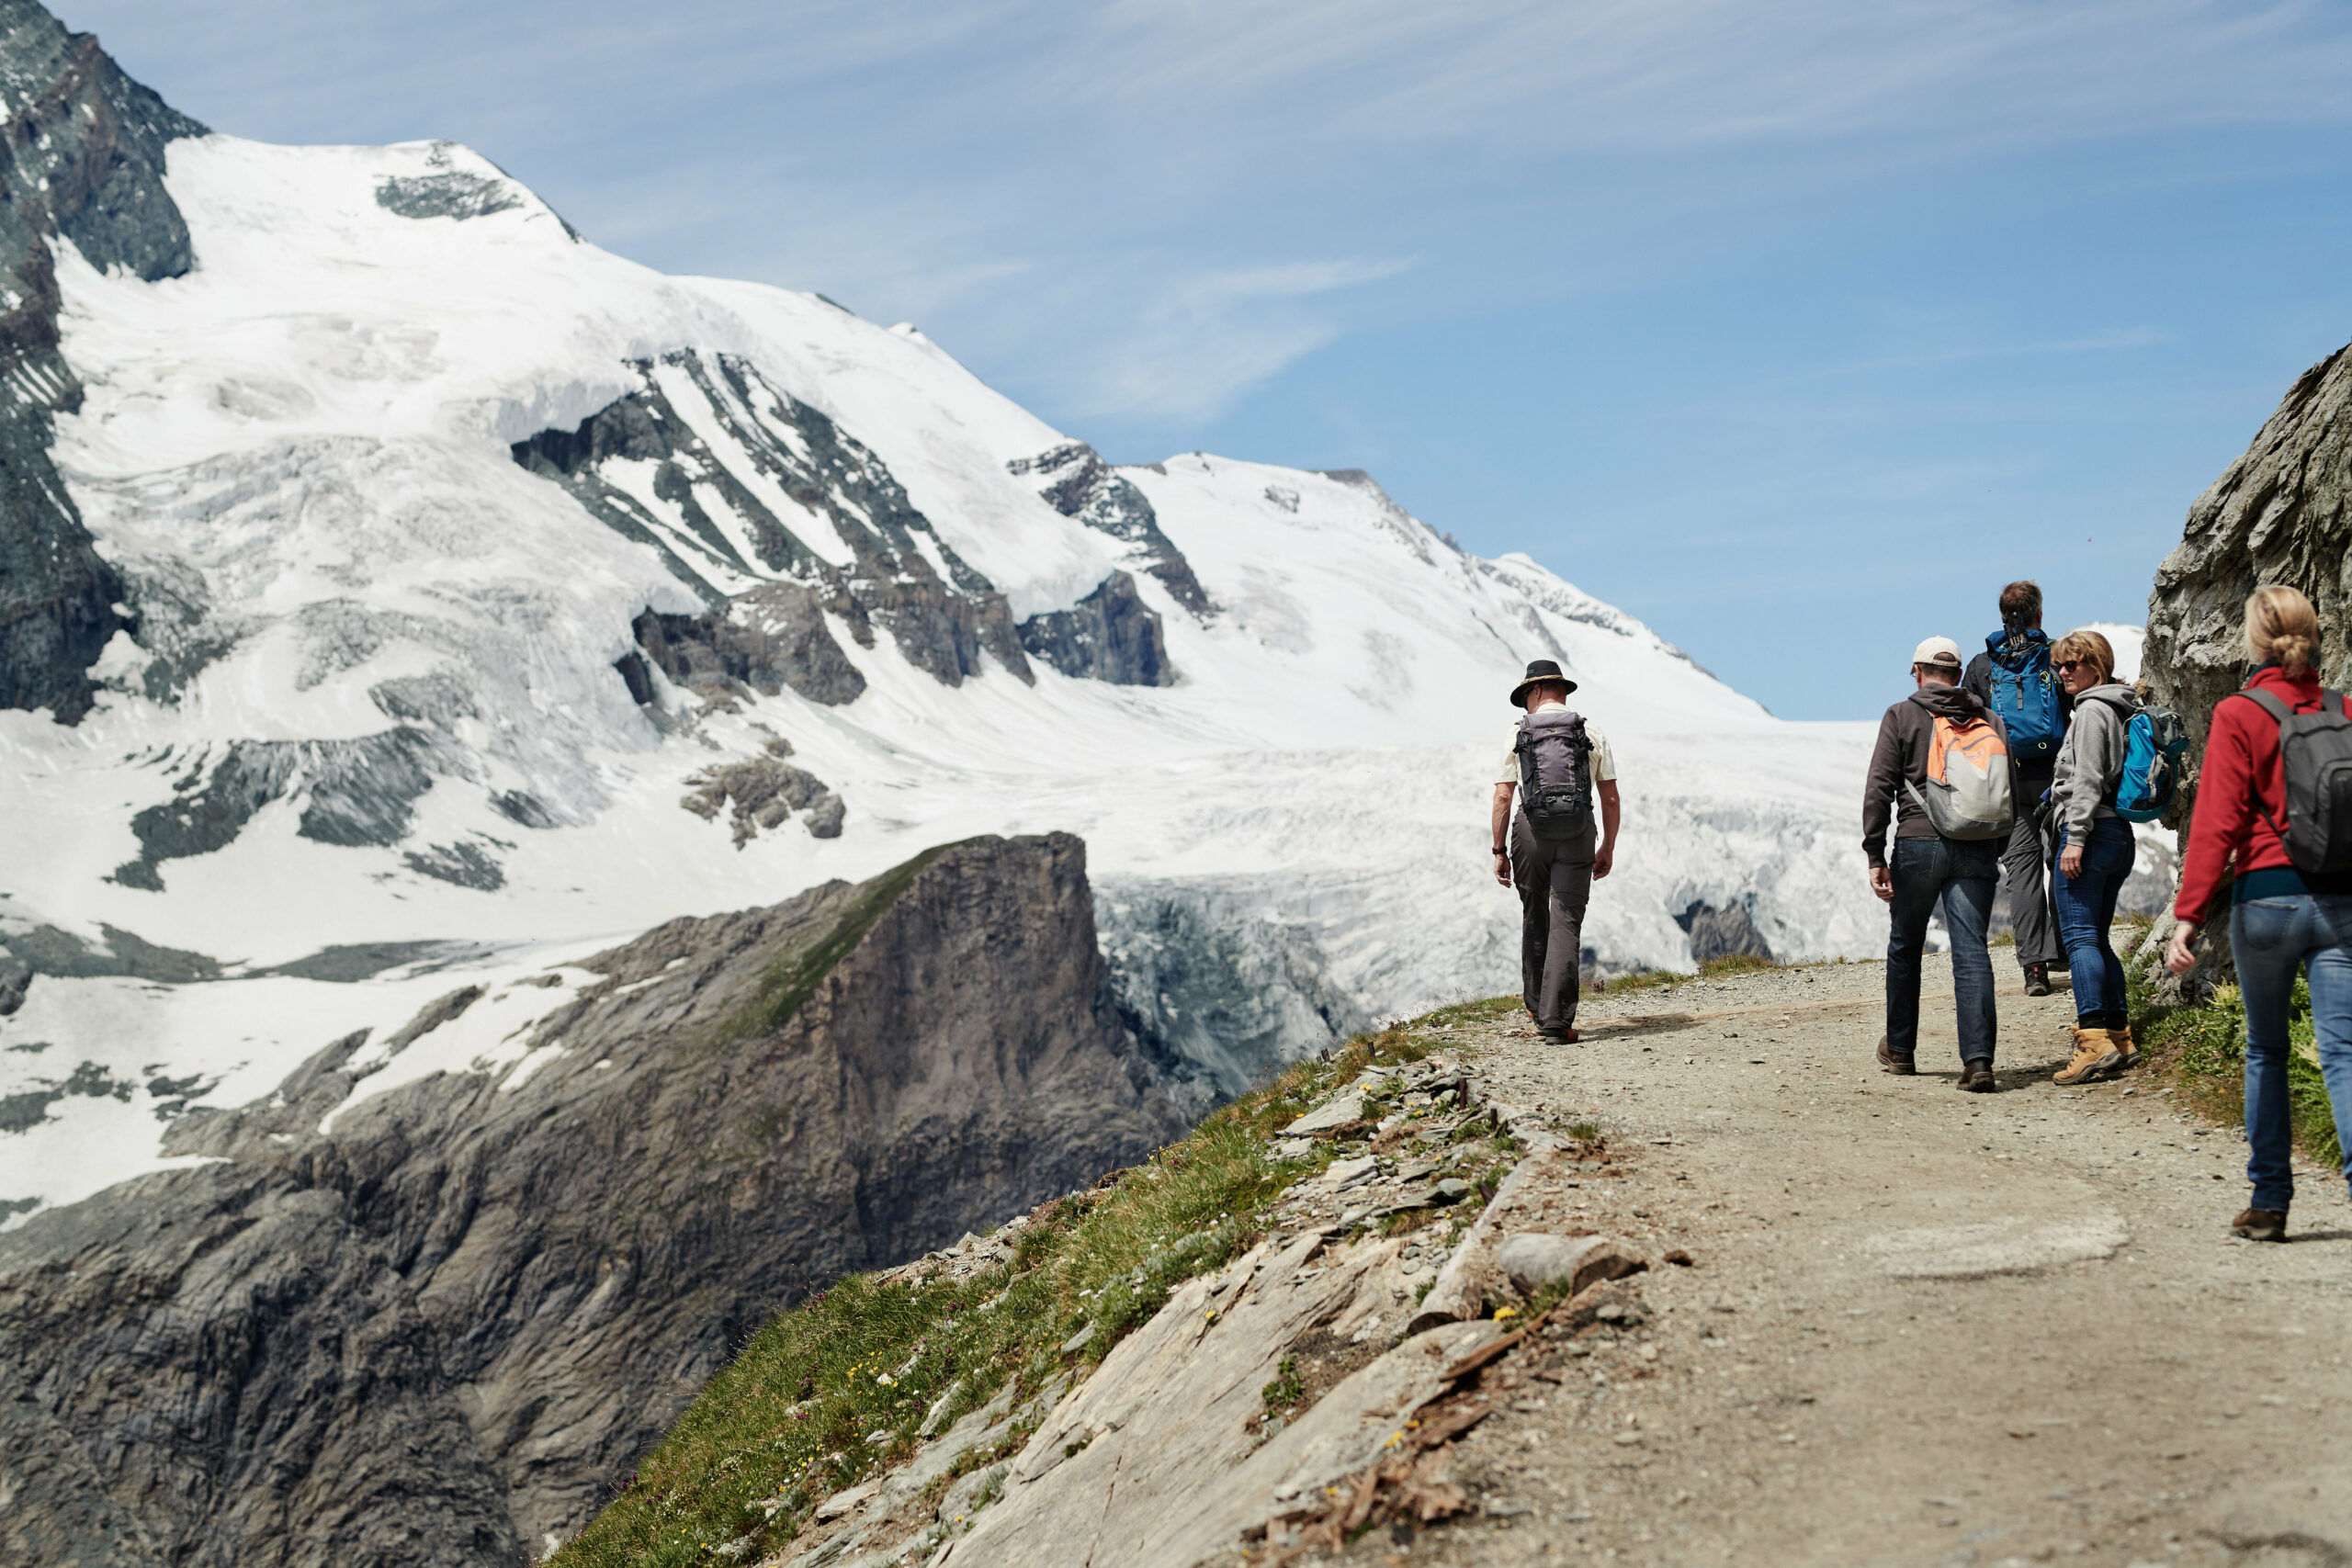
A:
(1722, 933)
(765, 791)
(1111, 635)
(81, 156)
(2276, 514)
(943, 618)
(1076, 482)
(444, 1330)
(767, 639)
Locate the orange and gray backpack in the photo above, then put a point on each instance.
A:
(1968, 780)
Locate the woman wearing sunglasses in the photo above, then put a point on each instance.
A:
(2095, 852)
(2281, 919)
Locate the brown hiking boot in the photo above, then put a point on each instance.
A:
(1976, 1077)
(2094, 1055)
(2127, 1055)
(2261, 1224)
(1902, 1067)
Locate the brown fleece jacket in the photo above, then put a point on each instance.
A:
(1901, 755)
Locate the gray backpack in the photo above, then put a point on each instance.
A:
(2315, 749)
(1556, 776)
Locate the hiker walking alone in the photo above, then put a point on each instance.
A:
(2014, 679)
(2275, 796)
(1941, 770)
(2095, 852)
(1558, 762)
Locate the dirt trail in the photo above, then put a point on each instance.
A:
(1924, 1326)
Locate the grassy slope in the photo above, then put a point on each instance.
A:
(832, 1390)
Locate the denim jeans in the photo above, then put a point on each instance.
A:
(2085, 909)
(2271, 939)
(1964, 876)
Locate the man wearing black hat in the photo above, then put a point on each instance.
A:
(1558, 762)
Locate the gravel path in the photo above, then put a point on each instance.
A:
(1922, 1326)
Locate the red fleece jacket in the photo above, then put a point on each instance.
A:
(2241, 766)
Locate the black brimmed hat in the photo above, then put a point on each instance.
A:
(1538, 671)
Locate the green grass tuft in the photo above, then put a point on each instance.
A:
(2200, 1052)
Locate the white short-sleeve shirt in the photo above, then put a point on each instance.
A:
(1604, 762)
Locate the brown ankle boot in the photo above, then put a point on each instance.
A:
(2093, 1053)
(2127, 1055)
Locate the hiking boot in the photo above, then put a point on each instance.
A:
(2037, 979)
(1976, 1077)
(2127, 1055)
(2094, 1055)
(1560, 1036)
(2261, 1224)
(1902, 1067)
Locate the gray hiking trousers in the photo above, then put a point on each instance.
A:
(1554, 883)
(2025, 869)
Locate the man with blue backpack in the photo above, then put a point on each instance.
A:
(2014, 680)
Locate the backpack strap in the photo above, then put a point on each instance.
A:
(2269, 703)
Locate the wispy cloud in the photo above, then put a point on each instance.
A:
(1119, 204)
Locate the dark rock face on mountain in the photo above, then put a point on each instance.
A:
(1111, 635)
(1727, 932)
(1076, 482)
(715, 529)
(81, 156)
(441, 1331)
(2282, 512)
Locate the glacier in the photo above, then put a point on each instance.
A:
(460, 559)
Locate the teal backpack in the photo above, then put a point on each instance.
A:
(2154, 740)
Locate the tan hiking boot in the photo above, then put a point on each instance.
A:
(2093, 1053)
(2127, 1055)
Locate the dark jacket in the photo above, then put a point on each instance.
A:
(1901, 755)
(1979, 680)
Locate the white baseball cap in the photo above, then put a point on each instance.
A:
(1938, 650)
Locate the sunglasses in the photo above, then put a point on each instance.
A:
(2076, 664)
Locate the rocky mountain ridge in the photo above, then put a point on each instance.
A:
(429, 1324)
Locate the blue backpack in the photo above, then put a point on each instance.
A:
(2025, 693)
(2154, 740)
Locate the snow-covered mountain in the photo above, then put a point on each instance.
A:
(485, 597)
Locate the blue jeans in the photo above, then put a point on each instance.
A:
(2085, 904)
(2271, 939)
(1964, 876)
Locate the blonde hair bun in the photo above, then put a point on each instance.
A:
(2281, 628)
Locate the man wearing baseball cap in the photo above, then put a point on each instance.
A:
(1926, 867)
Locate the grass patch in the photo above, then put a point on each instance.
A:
(2199, 1053)
(1712, 969)
(831, 1392)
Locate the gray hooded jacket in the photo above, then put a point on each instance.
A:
(2090, 759)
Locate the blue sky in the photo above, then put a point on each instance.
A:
(1794, 328)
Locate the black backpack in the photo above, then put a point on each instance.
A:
(1555, 775)
(2315, 749)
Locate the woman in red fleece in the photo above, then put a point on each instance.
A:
(2282, 919)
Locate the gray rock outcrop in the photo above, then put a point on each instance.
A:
(81, 156)
(1111, 635)
(2281, 512)
(1075, 481)
(942, 617)
(444, 1328)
